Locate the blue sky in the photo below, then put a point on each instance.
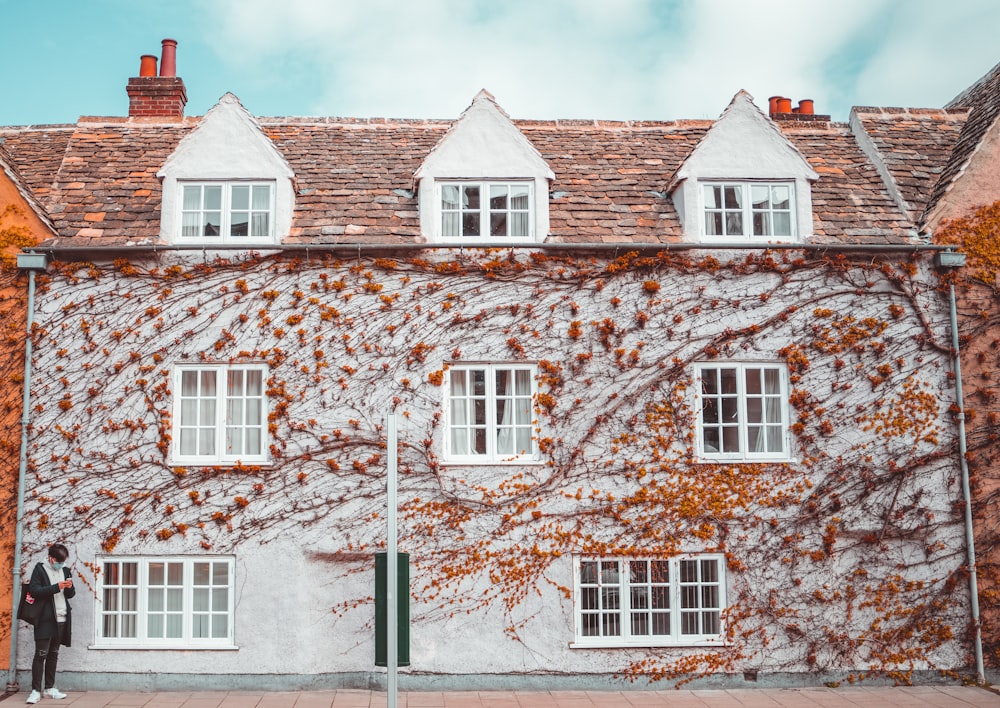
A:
(610, 59)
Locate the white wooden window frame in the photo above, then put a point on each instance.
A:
(218, 421)
(226, 211)
(678, 601)
(459, 426)
(747, 211)
(138, 602)
(485, 211)
(743, 412)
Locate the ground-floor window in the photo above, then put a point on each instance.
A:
(177, 602)
(649, 601)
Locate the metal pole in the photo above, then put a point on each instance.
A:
(969, 534)
(392, 569)
(22, 469)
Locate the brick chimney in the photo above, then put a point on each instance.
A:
(780, 108)
(152, 96)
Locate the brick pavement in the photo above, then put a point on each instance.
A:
(945, 696)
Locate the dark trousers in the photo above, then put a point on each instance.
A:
(46, 658)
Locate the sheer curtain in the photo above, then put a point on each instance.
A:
(505, 411)
(459, 413)
(764, 426)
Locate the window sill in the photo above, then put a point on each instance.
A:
(163, 647)
(702, 460)
(524, 462)
(243, 464)
(703, 643)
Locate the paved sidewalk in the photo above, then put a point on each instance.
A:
(850, 697)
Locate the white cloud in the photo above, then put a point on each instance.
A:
(641, 59)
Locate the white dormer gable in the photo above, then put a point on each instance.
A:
(744, 181)
(226, 182)
(484, 181)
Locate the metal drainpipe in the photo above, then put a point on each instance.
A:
(30, 262)
(969, 535)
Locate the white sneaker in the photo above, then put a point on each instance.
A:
(34, 697)
(54, 693)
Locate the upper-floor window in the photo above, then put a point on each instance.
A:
(490, 413)
(227, 211)
(649, 602)
(486, 210)
(220, 414)
(749, 209)
(744, 411)
(177, 602)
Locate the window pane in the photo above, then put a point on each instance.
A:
(498, 224)
(760, 195)
(213, 197)
(449, 197)
(498, 197)
(191, 198)
(470, 197)
(470, 224)
(260, 225)
(154, 600)
(220, 626)
(519, 194)
(713, 197)
(781, 196)
(240, 197)
(239, 224)
(734, 197)
(782, 224)
(201, 573)
(175, 626)
(261, 197)
(156, 574)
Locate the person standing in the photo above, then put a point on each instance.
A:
(52, 584)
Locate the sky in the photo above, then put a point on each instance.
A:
(541, 59)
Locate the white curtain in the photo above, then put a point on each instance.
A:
(459, 413)
(505, 411)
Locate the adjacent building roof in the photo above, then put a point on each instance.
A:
(982, 100)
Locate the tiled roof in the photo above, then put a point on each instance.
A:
(354, 178)
(983, 101)
(915, 145)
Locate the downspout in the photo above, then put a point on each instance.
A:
(951, 259)
(30, 262)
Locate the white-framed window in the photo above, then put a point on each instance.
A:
(220, 413)
(176, 602)
(487, 210)
(761, 210)
(490, 413)
(744, 411)
(649, 601)
(228, 212)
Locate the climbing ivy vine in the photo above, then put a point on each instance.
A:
(848, 558)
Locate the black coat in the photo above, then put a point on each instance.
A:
(43, 589)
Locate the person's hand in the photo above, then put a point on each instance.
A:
(63, 584)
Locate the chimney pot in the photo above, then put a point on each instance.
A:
(806, 106)
(772, 105)
(168, 62)
(147, 65)
(784, 105)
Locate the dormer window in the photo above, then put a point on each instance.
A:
(486, 210)
(226, 183)
(744, 181)
(228, 210)
(749, 209)
(484, 181)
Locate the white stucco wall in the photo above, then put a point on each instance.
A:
(297, 544)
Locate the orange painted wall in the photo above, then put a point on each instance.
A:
(19, 226)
